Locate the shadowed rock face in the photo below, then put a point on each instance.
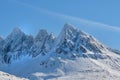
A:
(42, 34)
(42, 43)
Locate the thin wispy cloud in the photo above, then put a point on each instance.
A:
(68, 17)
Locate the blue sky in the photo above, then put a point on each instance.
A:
(97, 17)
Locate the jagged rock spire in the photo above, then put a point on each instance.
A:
(41, 35)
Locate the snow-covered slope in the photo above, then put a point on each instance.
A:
(73, 55)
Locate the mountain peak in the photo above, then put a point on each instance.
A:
(41, 34)
(16, 30)
(69, 29)
(68, 26)
(77, 38)
(16, 33)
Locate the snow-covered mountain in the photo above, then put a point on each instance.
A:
(73, 55)
(72, 40)
(15, 45)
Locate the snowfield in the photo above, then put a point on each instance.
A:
(73, 55)
(62, 69)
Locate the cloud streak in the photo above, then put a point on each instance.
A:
(68, 17)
